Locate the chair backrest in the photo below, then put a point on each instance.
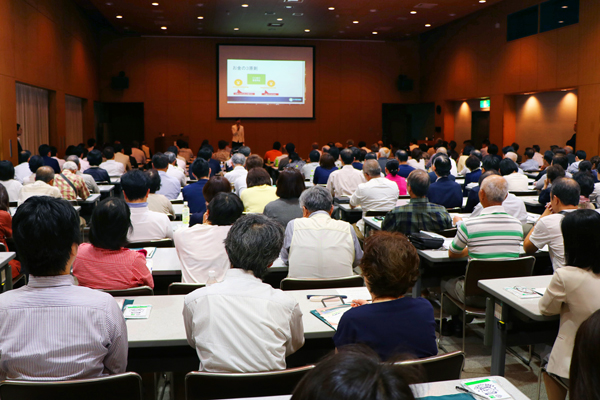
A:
(444, 367)
(135, 291)
(448, 233)
(305, 284)
(183, 288)
(127, 386)
(151, 243)
(2, 248)
(211, 385)
(495, 269)
(372, 213)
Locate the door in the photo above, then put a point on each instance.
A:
(119, 121)
(480, 127)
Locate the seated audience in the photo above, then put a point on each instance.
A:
(324, 170)
(7, 179)
(584, 372)
(22, 170)
(512, 204)
(308, 171)
(252, 161)
(242, 324)
(259, 192)
(184, 151)
(192, 193)
(419, 214)
(587, 167)
(462, 160)
(564, 199)
(553, 173)
(169, 186)
(174, 171)
(384, 154)
(137, 153)
(89, 180)
(196, 261)
(105, 263)
(558, 159)
(272, 154)
(290, 186)
(473, 164)
(283, 160)
(404, 169)
(121, 157)
(215, 185)
(355, 373)
(444, 191)
(510, 171)
(52, 329)
(70, 184)
(393, 324)
(206, 153)
(94, 157)
(307, 239)
(574, 291)
(112, 166)
(43, 185)
(416, 161)
(580, 156)
(345, 181)
(295, 162)
(530, 164)
(6, 229)
(158, 202)
(358, 162)
(586, 184)
(377, 194)
(239, 173)
(34, 163)
(146, 225)
(180, 161)
(222, 153)
(45, 152)
(392, 172)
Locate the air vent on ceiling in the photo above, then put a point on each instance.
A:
(298, 14)
(425, 5)
(269, 13)
(275, 24)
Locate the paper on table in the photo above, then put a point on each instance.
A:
(487, 388)
(137, 311)
(358, 293)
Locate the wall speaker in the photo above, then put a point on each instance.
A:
(404, 83)
(120, 82)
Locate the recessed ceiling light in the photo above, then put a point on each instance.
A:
(164, 28)
(109, 4)
(288, 6)
(565, 7)
(236, 29)
(373, 10)
(244, 5)
(331, 8)
(307, 30)
(482, 1)
(355, 22)
(413, 12)
(279, 19)
(155, 4)
(201, 17)
(561, 22)
(374, 33)
(427, 25)
(119, 16)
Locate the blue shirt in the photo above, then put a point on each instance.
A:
(472, 200)
(169, 186)
(404, 170)
(193, 195)
(402, 326)
(322, 174)
(471, 177)
(99, 174)
(433, 177)
(51, 162)
(445, 192)
(215, 167)
(530, 165)
(357, 165)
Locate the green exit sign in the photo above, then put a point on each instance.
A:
(484, 103)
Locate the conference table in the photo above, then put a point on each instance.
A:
(517, 321)
(106, 191)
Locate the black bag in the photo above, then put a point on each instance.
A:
(423, 241)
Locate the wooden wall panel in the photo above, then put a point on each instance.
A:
(547, 54)
(588, 119)
(528, 71)
(567, 64)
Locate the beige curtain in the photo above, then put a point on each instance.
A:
(74, 122)
(33, 115)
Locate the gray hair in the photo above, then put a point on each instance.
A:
(384, 152)
(238, 159)
(442, 150)
(171, 156)
(419, 181)
(245, 150)
(74, 159)
(44, 174)
(253, 243)
(372, 168)
(495, 188)
(70, 165)
(316, 198)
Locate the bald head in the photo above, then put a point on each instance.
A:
(372, 169)
(44, 174)
(512, 156)
(495, 189)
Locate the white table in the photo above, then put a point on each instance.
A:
(178, 200)
(165, 262)
(107, 190)
(92, 199)
(507, 307)
(178, 208)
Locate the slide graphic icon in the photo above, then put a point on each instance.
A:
(257, 79)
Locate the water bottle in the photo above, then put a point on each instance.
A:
(212, 278)
(185, 214)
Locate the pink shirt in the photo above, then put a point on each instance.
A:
(400, 181)
(98, 268)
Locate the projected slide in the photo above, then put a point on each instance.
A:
(265, 81)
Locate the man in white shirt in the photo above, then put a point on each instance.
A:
(564, 198)
(510, 171)
(453, 168)
(170, 187)
(146, 225)
(239, 172)
(22, 170)
(88, 179)
(512, 204)
(114, 168)
(43, 185)
(344, 182)
(377, 194)
(174, 171)
(308, 171)
(7, 179)
(242, 324)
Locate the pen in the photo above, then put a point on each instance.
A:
(464, 390)
(341, 296)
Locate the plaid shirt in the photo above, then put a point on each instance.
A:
(66, 190)
(417, 215)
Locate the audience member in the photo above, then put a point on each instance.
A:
(184, 151)
(295, 162)
(259, 192)
(95, 159)
(71, 185)
(43, 185)
(345, 181)
(393, 324)
(215, 185)
(222, 154)
(158, 202)
(510, 171)
(121, 157)
(252, 161)
(462, 161)
(206, 153)
(553, 173)
(392, 172)
(530, 164)
(111, 166)
(173, 170)
(137, 153)
(473, 164)
(324, 170)
(290, 186)
(356, 153)
(6, 229)
(88, 333)
(444, 191)
(35, 162)
(268, 322)
(384, 154)
(558, 159)
(308, 171)
(416, 161)
(192, 193)
(22, 170)
(45, 152)
(512, 204)
(307, 239)
(89, 180)
(239, 173)
(272, 154)
(404, 169)
(7, 179)
(586, 185)
(169, 186)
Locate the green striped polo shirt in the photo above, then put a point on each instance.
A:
(493, 234)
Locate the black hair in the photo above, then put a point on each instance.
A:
(110, 224)
(276, 145)
(314, 156)
(581, 237)
(222, 144)
(205, 153)
(370, 156)
(4, 200)
(24, 156)
(536, 148)
(585, 368)
(36, 162)
(586, 183)
(153, 180)
(452, 145)
(91, 142)
(492, 149)
(529, 152)
(567, 190)
(581, 154)
(53, 151)
(7, 171)
(44, 230)
(290, 147)
(515, 146)
(561, 160)
(472, 162)
(224, 209)
(135, 184)
(347, 156)
(43, 150)
(173, 149)
(586, 166)
(486, 174)
(549, 156)
(118, 147)
(108, 152)
(200, 168)
(402, 156)
(507, 149)
(554, 171)
(160, 161)
(442, 166)
(94, 157)
(335, 153)
(392, 167)
(508, 166)
(467, 150)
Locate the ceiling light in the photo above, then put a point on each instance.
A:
(561, 22)
(244, 5)
(200, 17)
(164, 28)
(279, 19)
(331, 8)
(373, 10)
(236, 29)
(374, 33)
(155, 4)
(565, 7)
(288, 6)
(482, 1)
(355, 22)
(119, 16)
(307, 30)
(413, 12)
(427, 25)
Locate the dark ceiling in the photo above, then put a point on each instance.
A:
(391, 19)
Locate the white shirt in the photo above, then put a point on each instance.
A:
(200, 249)
(345, 181)
(83, 164)
(453, 169)
(114, 168)
(169, 186)
(148, 225)
(242, 325)
(416, 164)
(90, 182)
(13, 187)
(379, 194)
(38, 188)
(177, 173)
(22, 172)
(539, 158)
(547, 231)
(517, 182)
(308, 171)
(512, 205)
(232, 176)
(181, 163)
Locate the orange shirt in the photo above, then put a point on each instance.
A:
(271, 155)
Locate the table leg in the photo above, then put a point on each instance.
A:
(499, 340)
(416, 290)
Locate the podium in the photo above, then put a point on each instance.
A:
(162, 143)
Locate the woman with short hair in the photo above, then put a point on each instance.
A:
(158, 202)
(215, 185)
(290, 186)
(325, 168)
(259, 192)
(105, 263)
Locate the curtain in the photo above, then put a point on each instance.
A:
(74, 122)
(33, 115)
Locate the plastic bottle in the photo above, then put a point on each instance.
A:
(212, 278)
(185, 214)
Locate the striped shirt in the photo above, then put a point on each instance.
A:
(493, 234)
